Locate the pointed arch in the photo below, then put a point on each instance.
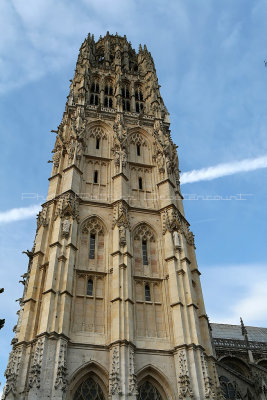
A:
(142, 132)
(262, 362)
(95, 223)
(98, 136)
(236, 364)
(91, 370)
(144, 230)
(157, 379)
(140, 145)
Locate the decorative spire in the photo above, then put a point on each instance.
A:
(243, 328)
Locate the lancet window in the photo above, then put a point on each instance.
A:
(145, 252)
(90, 286)
(139, 99)
(125, 93)
(92, 245)
(108, 92)
(94, 97)
(147, 293)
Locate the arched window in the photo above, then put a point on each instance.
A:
(228, 390)
(97, 143)
(90, 287)
(89, 390)
(94, 98)
(138, 149)
(147, 293)
(139, 100)
(148, 392)
(125, 93)
(108, 99)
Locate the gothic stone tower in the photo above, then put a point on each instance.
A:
(112, 305)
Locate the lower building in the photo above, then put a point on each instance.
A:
(241, 360)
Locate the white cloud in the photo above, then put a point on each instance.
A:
(17, 214)
(237, 291)
(220, 170)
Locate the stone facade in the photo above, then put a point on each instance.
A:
(112, 305)
(242, 360)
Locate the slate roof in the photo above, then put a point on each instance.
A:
(226, 331)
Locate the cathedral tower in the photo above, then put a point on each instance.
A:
(112, 305)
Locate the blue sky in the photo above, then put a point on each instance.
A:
(210, 58)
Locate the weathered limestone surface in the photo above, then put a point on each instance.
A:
(112, 291)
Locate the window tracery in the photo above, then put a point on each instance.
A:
(98, 132)
(93, 225)
(229, 391)
(148, 392)
(144, 232)
(89, 390)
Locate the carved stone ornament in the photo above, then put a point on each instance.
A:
(42, 217)
(57, 152)
(143, 231)
(35, 370)
(93, 225)
(121, 219)
(119, 148)
(67, 206)
(120, 132)
(65, 226)
(171, 221)
(70, 146)
(176, 240)
(12, 371)
(184, 386)
(190, 238)
(61, 378)
(132, 377)
(114, 380)
(209, 393)
(120, 215)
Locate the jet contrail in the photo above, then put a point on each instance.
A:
(217, 171)
(196, 175)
